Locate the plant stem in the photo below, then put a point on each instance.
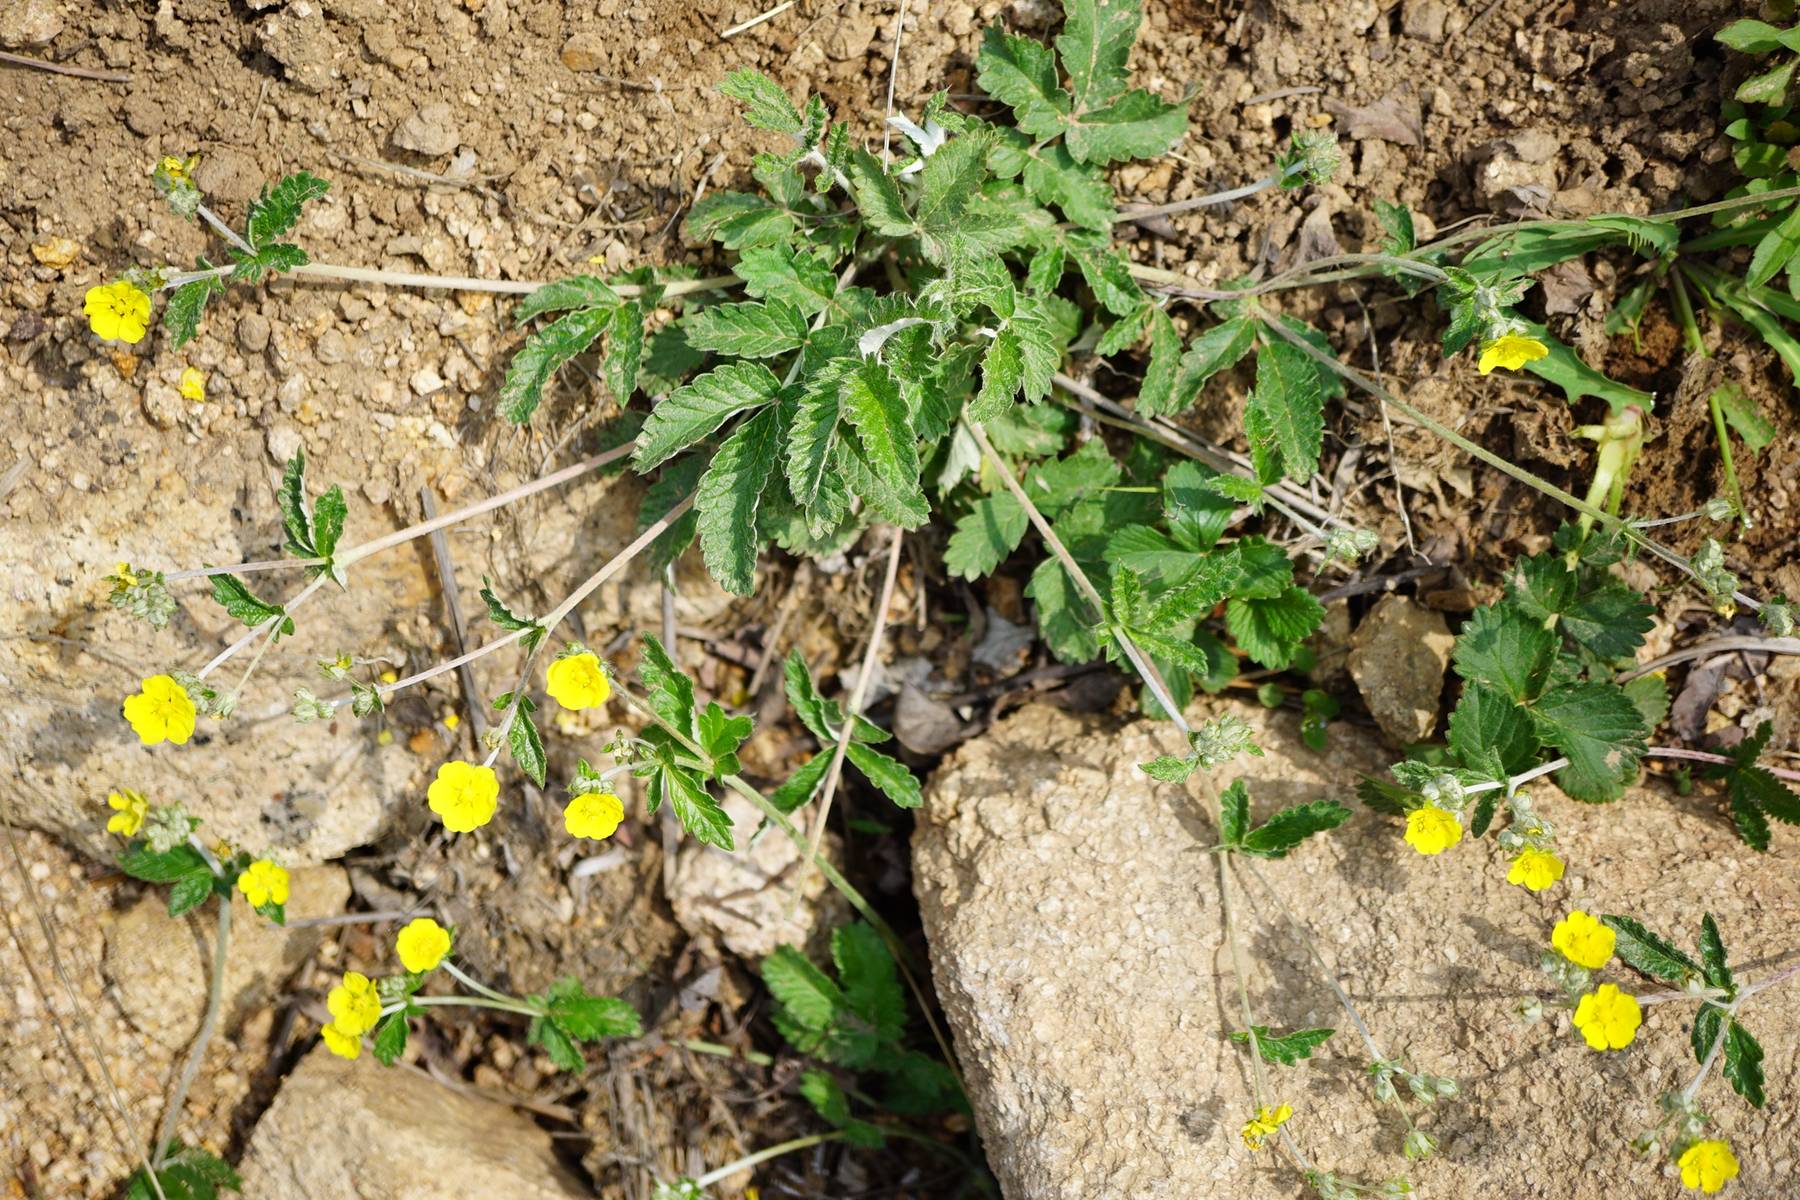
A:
(775, 1151)
(1732, 491)
(1684, 311)
(225, 231)
(1703, 756)
(1517, 781)
(755, 1057)
(215, 995)
(1140, 212)
(1712, 1056)
(359, 552)
(1724, 645)
(318, 581)
(871, 652)
(459, 283)
(511, 1006)
(457, 973)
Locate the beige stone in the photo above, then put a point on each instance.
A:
(1398, 657)
(393, 1133)
(1074, 921)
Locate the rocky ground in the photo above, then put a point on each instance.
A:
(530, 138)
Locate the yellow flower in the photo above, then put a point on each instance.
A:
(355, 1005)
(451, 721)
(263, 883)
(1511, 351)
(390, 677)
(132, 809)
(1265, 1122)
(125, 575)
(578, 681)
(1535, 869)
(1583, 940)
(161, 712)
(1608, 1018)
(344, 1045)
(1707, 1165)
(118, 310)
(464, 795)
(1432, 830)
(593, 815)
(193, 383)
(178, 170)
(422, 945)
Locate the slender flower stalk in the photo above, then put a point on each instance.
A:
(457, 283)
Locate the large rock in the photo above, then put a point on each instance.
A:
(1074, 920)
(341, 1128)
(1398, 657)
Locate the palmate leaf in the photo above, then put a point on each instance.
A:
(804, 280)
(1285, 1049)
(696, 410)
(543, 353)
(728, 496)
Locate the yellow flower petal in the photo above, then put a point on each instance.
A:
(1607, 1018)
(117, 311)
(161, 712)
(1510, 351)
(1432, 830)
(193, 383)
(344, 1045)
(593, 815)
(422, 945)
(1583, 940)
(1707, 1165)
(578, 681)
(1535, 869)
(262, 882)
(464, 796)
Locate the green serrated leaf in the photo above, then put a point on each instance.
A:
(1712, 955)
(191, 890)
(181, 316)
(542, 355)
(870, 981)
(670, 691)
(728, 496)
(557, 1044)
(890, 776)
(1021, 74)
(1234, 812)
(694, 412)
(749, 330)
(991, 530)
(1491, 734)
(1285, 414)
(1291, 826)
(1743, 1065)
(328, 520)
(1649, 953)
(169, 866)
(1095, 47)
(871, 405)
(527, 744)
(237, 599)
(1601, 732)
(1136, 125)
(768, 106)
(1506, 650)
(276, 210)
(390, 1039)
(577, 291)
(1284, 1049)
(272, 259)
(697, 811)
(1270, 630)
(877, 197)
(587, 1017)
(296, 514)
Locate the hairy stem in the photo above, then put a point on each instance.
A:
(215, 996)
(761, 1156)
(459, 283)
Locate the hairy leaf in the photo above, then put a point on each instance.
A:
(695, 411)
(276, 209)
(1649, 953)
(727, 500)
(543, 353)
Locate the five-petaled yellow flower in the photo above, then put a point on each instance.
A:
(1608, 1018)
(262, 882)
(464, 795)
(193, 383)
(1432, 830)
(161, 712)
(1264, 1123)
(422, 945)
(593, 815)
(1511, 351)
(355, 1005)
(578, 681)
(1583, 940)
(1707, 1165)
(132, 809)
(1535, 869)
(118, 310)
